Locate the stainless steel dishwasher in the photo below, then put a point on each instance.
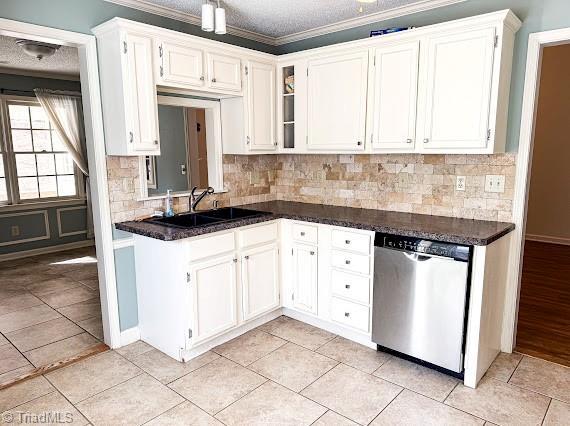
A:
(420, 297)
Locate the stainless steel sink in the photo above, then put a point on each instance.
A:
(205, 218)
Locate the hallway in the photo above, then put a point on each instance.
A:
(544, 310)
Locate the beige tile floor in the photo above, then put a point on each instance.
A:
(289, 373)
(49, 310)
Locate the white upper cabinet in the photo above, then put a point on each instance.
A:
(180, 65)
(261, 106)
(458, 77)
(128, 93)
(224, 72)
(337, 102)
(395, 82)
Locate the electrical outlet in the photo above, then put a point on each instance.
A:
(460, 183)
(495, 183)
(15, 231)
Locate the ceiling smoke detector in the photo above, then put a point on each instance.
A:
(37, 49)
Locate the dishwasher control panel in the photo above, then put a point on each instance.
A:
(419, 245)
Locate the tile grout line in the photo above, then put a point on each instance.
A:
(515, 369)
(387, 405)
(546, 412)
(242, 397)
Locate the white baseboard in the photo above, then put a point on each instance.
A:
(45, 250)
(547, 239)
(129, 336)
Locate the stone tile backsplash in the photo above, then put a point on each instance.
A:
(401, 182)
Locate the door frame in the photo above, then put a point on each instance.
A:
(93, 118)
(536, 43)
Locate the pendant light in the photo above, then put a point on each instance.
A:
(207, 16)
(220, 19)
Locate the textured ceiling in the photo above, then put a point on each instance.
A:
(278, 18)
(64, 62)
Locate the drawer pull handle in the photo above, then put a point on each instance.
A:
(347, 262)
(347, 241)
(302, 234)
(347, 286)
(346, 314)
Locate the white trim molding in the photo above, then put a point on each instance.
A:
(536, 42)
(93, 118)
(167, 12)
(46, 235)
(45, 250)
(130, 335)
(123, 243)
(547, 239)
(60, 228)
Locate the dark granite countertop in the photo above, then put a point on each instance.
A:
(439, 228)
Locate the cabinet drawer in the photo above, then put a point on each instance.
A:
(353, 241)
(350, 286)
(351, 262)
(211, 246)
(351, 314)
(305, 233)
(259, 235)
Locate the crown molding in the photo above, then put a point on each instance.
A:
(168, 12)
(39, 73)
(395, 12)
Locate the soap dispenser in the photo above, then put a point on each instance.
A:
(169, 209)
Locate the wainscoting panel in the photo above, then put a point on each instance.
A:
(71, 221)
(32, 226)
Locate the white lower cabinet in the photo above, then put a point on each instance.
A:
(214, 297)
(260, 280)
(305, 278)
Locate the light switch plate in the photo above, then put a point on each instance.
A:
(15, 231)
(460, 183)
(495, 183)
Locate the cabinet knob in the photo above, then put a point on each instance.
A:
(302, 234)
(347, 286)
(359, 143)
(312, 253)
(213, 80)
(235, 260)
(347, 241)
(409, 140)
(426, 140)
(246, 257)
(156, 141)
(202, 78)
(347, 262)
(347, 314)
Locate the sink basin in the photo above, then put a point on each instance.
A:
(209, 217)
(231, 213)
(189, 220)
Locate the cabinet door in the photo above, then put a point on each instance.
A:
(337, 102)
(458, 89)
(141, 105)
(224, 72)
(305, 275)
(181, 65)
(213, 290)
(260, 278)
(261, 106)
(395, 96)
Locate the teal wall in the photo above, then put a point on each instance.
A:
(126, 277)
(82, 15)
(172, 151)
(33, 225)
(537, 15)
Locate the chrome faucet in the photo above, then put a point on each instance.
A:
(195, 199)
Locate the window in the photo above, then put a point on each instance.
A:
(34, 156)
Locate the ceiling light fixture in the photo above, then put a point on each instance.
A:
(207, 16)
(37, 49)
(220, 19)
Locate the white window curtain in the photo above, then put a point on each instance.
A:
(66, 116)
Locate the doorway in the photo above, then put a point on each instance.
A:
(77, 272)
(544, 307)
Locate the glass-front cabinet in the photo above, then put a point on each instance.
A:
(291, 89)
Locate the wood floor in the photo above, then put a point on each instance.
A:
(544, 310)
